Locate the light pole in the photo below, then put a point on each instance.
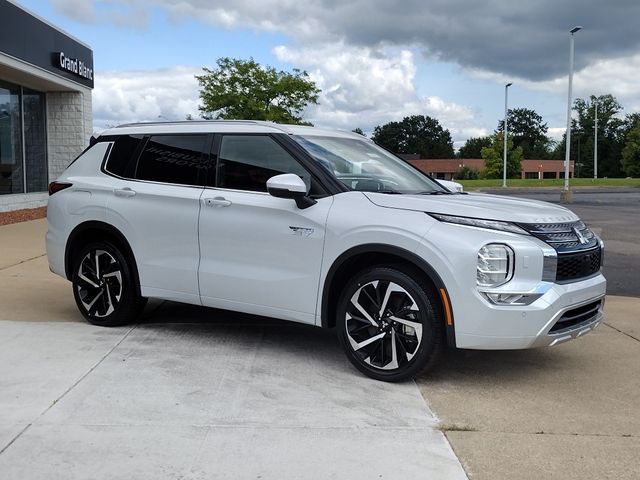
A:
(565, 195)
(595, 143)
(504, 156)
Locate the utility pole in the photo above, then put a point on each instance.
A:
(565, 194)
(504, 156)
(595, 143)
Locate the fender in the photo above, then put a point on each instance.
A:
(109, 230)
(410, 257)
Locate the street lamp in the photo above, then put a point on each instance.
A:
(595, 142)
(504, 159)
(565, 195)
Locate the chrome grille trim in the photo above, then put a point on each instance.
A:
(563, 237)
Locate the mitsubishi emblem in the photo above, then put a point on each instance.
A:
(581, 238)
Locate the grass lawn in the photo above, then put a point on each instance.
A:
(557, 183)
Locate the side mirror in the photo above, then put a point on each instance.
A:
(289, 185)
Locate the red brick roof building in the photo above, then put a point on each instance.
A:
(446, 168)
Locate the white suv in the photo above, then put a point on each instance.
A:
(318, 227)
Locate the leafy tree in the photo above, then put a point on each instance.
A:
(494, 162)
(415, 134)
(472, 148)
(631, 121)
(611, 132)
(243, 89)
(631, 153)
(528, 131)
(359, 131)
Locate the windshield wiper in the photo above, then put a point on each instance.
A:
(390, 192)
(435, 192)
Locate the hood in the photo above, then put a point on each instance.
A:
(476, 205)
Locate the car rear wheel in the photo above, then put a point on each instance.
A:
(103, 286)
(388, 323)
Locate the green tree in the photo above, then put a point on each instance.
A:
(472, 148)
(494, 162)
(631, 153)
(528, 131)
(415, 134)
(611, 133)
(243, 89)
(359, 131)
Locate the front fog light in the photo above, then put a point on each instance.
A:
(495, 265)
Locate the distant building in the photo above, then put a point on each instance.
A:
(46, 77)
(446, 168)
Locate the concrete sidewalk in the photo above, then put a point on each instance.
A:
(190, 393)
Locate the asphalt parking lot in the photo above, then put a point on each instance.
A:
(196, 393)
(614, 213)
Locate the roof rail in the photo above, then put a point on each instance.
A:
(282, 128)
(183, 122)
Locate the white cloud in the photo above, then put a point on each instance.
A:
(144, 95)
(365, 87)
(361, 87)
(617, 76)
(78, 10)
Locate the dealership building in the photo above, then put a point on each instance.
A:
(46, 78)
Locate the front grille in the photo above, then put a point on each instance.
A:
(564, 237)
(576, 316)
(578, 248)
(572, 266)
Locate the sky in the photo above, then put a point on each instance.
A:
(374, 60)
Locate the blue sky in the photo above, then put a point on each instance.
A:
(375, 61)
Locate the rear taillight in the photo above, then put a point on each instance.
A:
(57, 186)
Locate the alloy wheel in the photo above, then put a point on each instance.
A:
(383, 325)
(99, 283)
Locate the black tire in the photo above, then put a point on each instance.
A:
(103, 286)
(410, 327)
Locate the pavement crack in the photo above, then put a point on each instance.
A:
(622, 332)
(456, 428)
(23, 261)
(15, 438)
(75, 384)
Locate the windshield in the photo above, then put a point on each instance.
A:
(362, 165)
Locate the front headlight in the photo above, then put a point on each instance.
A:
(480, 223)
(495, 265)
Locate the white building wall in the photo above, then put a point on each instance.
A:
(69, 127)
(19, 201)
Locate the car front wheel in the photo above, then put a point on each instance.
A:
(388, 323)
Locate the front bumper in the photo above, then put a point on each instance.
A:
(564, 312)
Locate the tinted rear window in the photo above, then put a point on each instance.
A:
(121, 160)
(173, 159)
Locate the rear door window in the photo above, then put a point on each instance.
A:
(125, 150)
(179, 159)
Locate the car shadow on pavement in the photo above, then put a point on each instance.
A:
(455, 365)
(500, 366)
(204, 324)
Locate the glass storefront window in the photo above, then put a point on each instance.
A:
(35, 140)
(11, 173)
(23, 154)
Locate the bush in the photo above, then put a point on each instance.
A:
(467, 173)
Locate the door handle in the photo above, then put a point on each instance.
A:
(217, 202)
(124, 192)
